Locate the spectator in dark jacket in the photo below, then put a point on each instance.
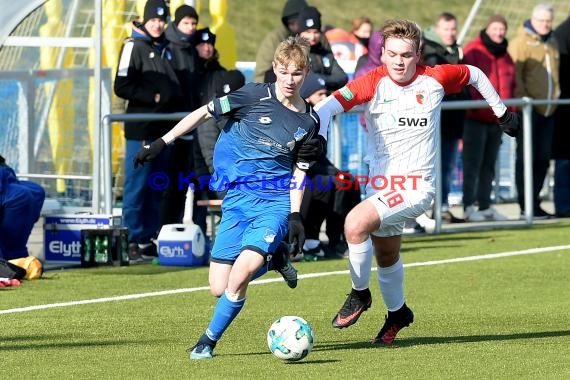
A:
(560, 151)
(481, 137)
(440, 47)
(181, 164)
(289, 27)
(146, 79)
(216, 81)
(322, 58)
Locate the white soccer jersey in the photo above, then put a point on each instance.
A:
(402, 118)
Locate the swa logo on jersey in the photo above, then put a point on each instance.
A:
(412, 122)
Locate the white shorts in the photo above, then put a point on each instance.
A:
(395, 207)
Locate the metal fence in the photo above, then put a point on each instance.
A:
(336, 147)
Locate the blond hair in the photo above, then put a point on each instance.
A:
(294, 50)
(403, 29)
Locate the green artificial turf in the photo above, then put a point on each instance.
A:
(505, 317)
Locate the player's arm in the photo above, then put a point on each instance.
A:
(187, 124)
(508, 121)
(455, 77)
(358, 91)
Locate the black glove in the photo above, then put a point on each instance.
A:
(510, 123)
(296, 232)
(312, 150)
(148, 152)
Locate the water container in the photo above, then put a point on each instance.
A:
(182, 245)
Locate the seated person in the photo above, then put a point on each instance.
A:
(323, 201)
(20, 206)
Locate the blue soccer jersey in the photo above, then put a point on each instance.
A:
(257, 148)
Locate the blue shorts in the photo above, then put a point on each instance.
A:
(250, 222)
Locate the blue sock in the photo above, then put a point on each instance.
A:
(224, 313)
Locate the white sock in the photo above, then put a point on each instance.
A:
(360, 264)
(391, 282)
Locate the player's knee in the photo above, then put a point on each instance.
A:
(354, 230)
(217, 289)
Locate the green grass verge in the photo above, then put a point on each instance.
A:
(500, 318)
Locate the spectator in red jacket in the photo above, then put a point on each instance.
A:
(481, 137)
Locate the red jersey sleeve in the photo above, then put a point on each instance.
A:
(360, 90)
(453, 78)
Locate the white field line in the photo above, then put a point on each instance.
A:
(270, 280)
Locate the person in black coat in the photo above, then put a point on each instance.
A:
(440, 47)
(216, 81)
(147, 80)
(180, 33)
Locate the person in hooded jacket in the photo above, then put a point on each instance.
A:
(147, 80)
(182, 162)
(289, 19)
(290, 27)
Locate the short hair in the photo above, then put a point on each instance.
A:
(542, 7)
(403, 29)
(295, 50)
(446, 16)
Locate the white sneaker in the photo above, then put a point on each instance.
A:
(471, 215)
(492, 214)
(427, 223)
(468, 211)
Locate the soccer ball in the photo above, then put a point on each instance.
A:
(290, 338)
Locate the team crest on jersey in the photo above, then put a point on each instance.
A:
(299, 134)
(269, 236)
(265, 120)
(151, 55)
(420, 97)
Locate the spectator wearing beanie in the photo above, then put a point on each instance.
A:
(289, 27)
(155, 14)
(322, 58)
(179, 33)
(146, 78)
(314, 88)
(216, 82)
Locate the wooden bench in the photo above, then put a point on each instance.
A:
(214, 207)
